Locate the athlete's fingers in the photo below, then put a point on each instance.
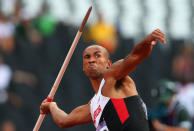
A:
(41, 112)
(160, 34)
(44, 108)
(158, 37)
(159, 31)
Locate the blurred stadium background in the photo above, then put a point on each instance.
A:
(35, 36)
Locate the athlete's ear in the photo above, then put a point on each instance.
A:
(109, 64)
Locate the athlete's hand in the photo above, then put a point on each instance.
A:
(154, 36)
(45, 107)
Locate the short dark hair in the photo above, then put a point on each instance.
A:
(95, 44)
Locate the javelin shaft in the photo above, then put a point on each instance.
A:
(59, 77)
(63, 68)
(39, 122)
(65, 64)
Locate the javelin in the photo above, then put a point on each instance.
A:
(63, 68)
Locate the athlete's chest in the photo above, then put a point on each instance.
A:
(97, 106)
(119, 89)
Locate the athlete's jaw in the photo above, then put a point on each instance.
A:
(93, 71)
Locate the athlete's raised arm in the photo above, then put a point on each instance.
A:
(142, 50)
(79, 115)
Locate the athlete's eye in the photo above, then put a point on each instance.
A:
(87, 56)
(97, 55)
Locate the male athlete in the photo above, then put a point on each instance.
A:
(116, 105)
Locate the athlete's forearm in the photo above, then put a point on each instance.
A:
(58, 115)
(125, 66)
(142, 49)
(139, 53)
(79, 115)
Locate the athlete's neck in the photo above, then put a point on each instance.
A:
(96, 83)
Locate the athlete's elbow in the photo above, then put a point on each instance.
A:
(64, 126)
(61, 123)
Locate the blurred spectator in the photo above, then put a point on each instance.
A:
(170, 114)
(183, 64)
(26, 31)
(8, 126)
(45, 22)
(5, 78)
(104, 34)
(186, 96)
(183, 69)
(17, 11)
(7, 29)
(9, 101)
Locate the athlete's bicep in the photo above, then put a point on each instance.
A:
(122, 67)
(81, 115)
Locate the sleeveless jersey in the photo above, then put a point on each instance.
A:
(121, 114)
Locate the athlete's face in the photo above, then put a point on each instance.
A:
(95, 61)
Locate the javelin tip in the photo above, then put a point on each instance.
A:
(85, 19)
